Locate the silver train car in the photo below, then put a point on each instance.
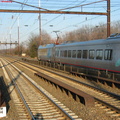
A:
(102, 54)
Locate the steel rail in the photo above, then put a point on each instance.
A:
(97, 78)
(98, 89)
(92, 87)
(69, 117)
(20, 95)
(108, 105)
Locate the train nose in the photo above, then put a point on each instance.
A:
(117, 64)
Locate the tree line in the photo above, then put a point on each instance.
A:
(85, 33)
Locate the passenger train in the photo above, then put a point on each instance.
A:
(102, 54)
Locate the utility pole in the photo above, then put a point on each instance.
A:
(18, 32)
(6, 46)
(18, 35)
(40, 24)
(10, 40)
(108, 18)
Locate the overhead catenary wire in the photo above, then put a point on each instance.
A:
(29, 5)
(60, 5)
(82, 5)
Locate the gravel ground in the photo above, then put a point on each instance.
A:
(82, 111)
(11, 110)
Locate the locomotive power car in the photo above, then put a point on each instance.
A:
(101, 54)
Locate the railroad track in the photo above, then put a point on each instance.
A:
(105, 100)
(107, 81)
(21, 112)
(34, 102)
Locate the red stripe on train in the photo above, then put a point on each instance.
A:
(86, 66)
(89, 67)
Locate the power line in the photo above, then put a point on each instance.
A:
(82, 5)
(58, 2)
(30, 5)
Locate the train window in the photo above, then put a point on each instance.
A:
(108, 54)
(99, 54)
(43, 52)
(65, 53)
(91, 54)
(57, 53)
(74, 54)
(79, 53)
(61, 53)
(69, 53)
(85, 52)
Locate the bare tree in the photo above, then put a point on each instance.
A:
(99, 32)
(115, 27)
(45, 38)
(34, 41)
(86, 33)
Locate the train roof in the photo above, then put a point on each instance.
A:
(109, 40)
(46, 46)
(82, 42)
(114, 38)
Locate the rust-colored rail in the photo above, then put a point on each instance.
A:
(105, 80)
(88, 100)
